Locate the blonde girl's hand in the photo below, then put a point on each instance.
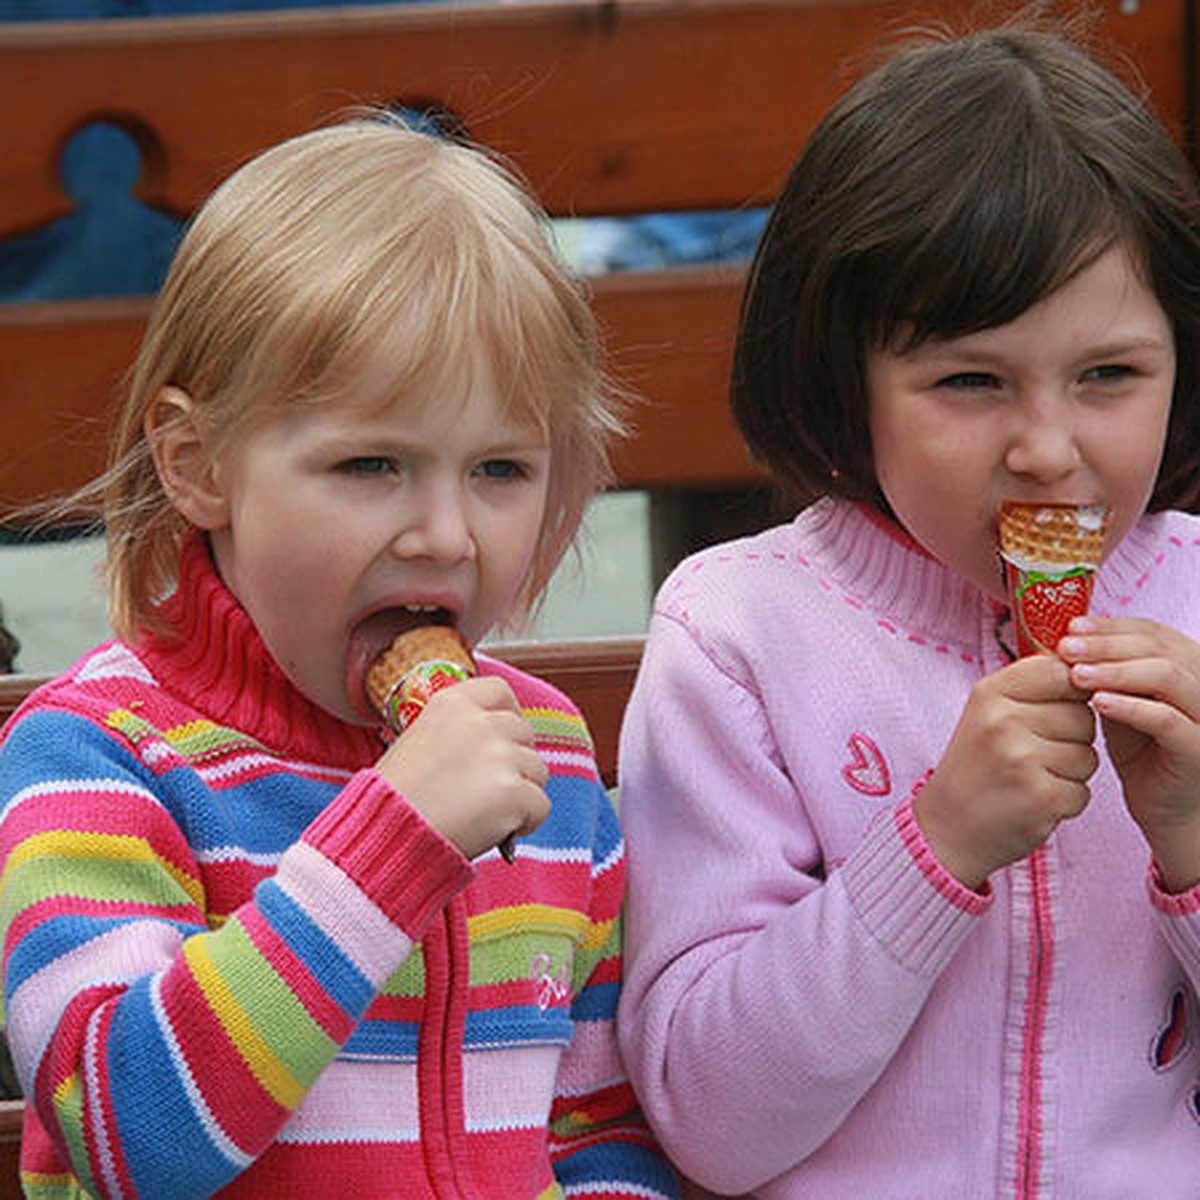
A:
(469, 766)
(1017, 764)
(1144, 680)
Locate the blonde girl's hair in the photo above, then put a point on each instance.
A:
(360, 243)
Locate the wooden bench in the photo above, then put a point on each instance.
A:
(608, 107)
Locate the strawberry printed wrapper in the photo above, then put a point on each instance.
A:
(409, 696)
(1045, 603)
(1050, 553)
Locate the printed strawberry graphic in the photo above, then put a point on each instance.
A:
(1045, 606)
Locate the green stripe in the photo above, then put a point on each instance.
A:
(511, 958)
(54, 877)
(549, 727)
(280, 1017)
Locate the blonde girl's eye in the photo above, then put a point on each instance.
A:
(366, 465)
(502, 470)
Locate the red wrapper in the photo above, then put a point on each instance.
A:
(1050, 554)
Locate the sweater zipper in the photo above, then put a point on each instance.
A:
(1041, 963)
(440, 1068)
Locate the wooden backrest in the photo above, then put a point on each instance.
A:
(608, 106)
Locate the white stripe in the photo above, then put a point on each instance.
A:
(614, 1189)
(63, 788)
(228, 1150)
(251, 760)
(100, 1125)
(234, 854)
(555, 854)
(115, 662)
(568, 758)
(613, 857)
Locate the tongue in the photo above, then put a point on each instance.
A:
(370, 638)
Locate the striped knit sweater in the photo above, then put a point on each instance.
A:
(235, 960)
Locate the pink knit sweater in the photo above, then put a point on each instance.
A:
(814, 1007)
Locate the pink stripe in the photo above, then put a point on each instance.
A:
(939, 878)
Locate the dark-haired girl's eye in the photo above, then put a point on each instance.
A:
(970, 381)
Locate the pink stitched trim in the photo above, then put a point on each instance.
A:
(949, 888)
(1173, 904)
(1041, 972)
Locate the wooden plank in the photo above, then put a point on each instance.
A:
(607, 106)
(669, 335)
(11, 1116)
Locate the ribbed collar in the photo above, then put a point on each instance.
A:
(872, 559)
(216, 662)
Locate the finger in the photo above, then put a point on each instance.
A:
(1072, 723)
(487, 691)
(1158, 679)
(535, 769)
(1096, 640)
(1037, 679)
(1072, 763)
(1163, 723)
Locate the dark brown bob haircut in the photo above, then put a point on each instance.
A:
(948, 191)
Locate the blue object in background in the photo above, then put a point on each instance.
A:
(114, 245)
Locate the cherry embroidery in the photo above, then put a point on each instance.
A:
(867, 771)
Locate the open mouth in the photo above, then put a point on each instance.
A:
(374, 634)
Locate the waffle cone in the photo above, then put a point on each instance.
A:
(411, 649)
(1054, 536)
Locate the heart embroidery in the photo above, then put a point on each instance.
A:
(866, 771)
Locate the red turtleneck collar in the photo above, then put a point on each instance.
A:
(216, 661)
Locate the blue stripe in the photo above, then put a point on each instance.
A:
(331, 967)
(167, 1149)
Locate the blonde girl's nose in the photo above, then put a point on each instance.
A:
(436, 526)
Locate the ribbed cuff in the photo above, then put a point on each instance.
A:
(904, 895)
(394, 855)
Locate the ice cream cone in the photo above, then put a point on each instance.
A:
(1050, 554)
(415, 667)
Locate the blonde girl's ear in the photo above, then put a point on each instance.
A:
(183, 459)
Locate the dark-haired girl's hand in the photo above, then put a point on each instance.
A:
(1017, 764)
(1144, 680)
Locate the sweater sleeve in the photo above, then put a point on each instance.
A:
(600, 1144)
(163, 1056)
(763, 999)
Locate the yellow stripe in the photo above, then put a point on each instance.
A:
(597, 934)
(527, 917)
(259, 1057)
(65, 1090)
(89, 847)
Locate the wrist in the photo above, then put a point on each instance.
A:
(1176, 858)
